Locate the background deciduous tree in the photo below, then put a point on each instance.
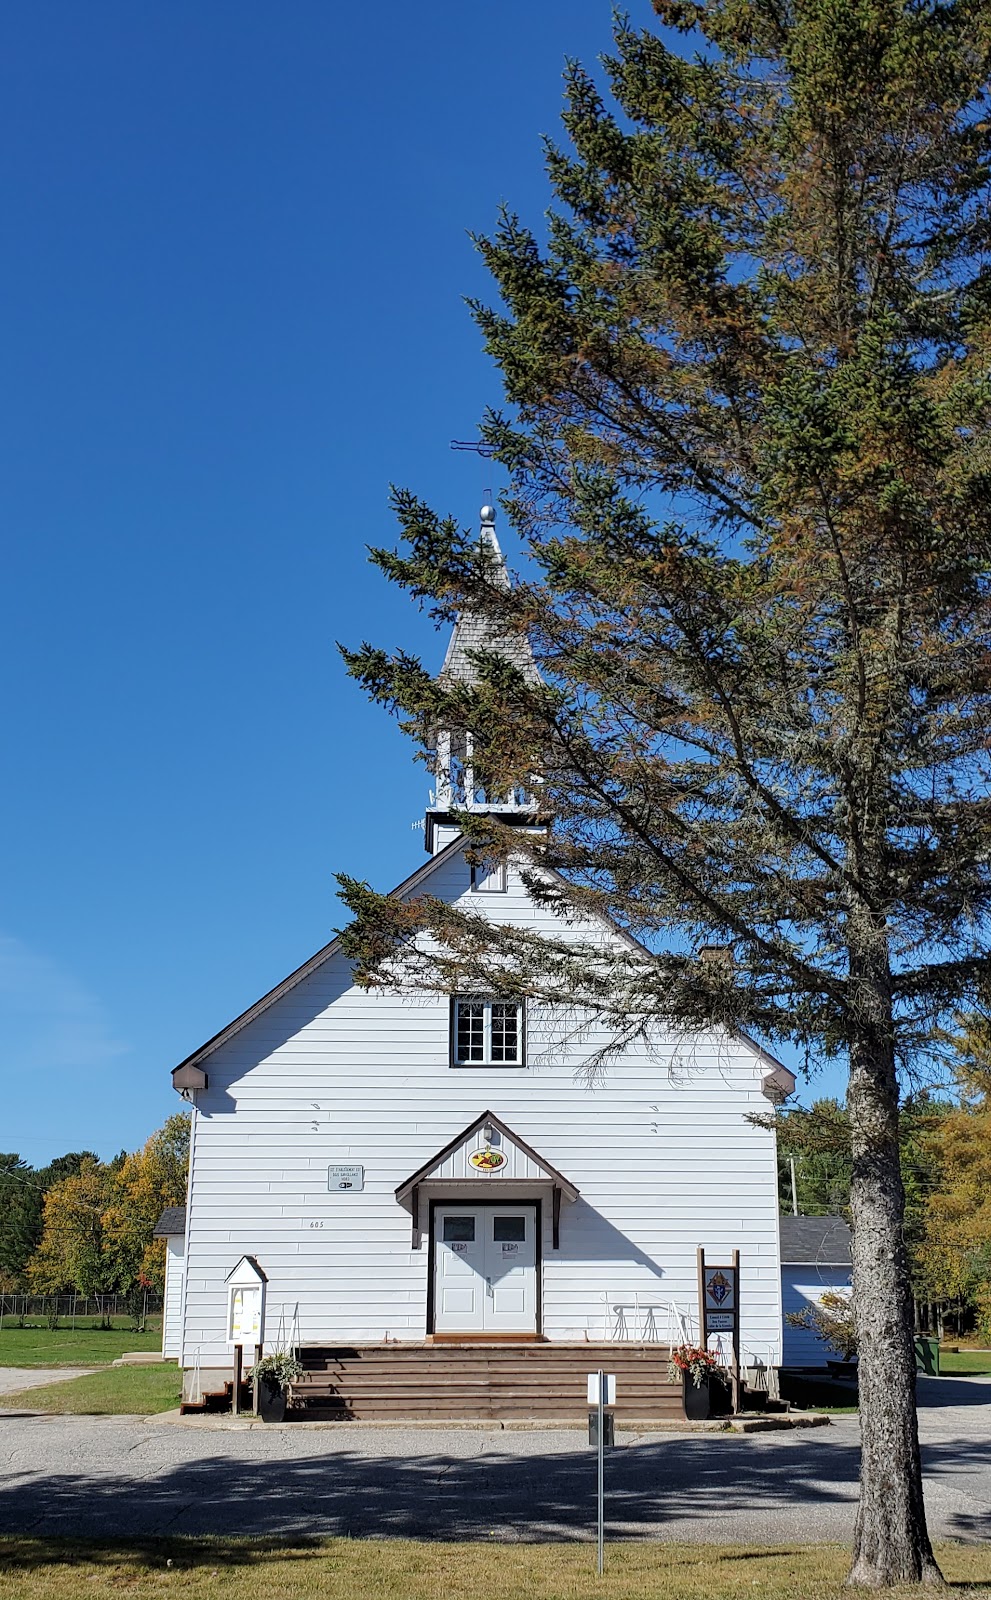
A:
(95, 1221)
(748, 445)
(955, 1238)
(149, 1180)
(70, 1254)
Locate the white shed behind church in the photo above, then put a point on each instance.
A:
(171, 1226)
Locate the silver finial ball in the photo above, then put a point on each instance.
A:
(487, 513)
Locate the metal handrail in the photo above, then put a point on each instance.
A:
(643, 1314)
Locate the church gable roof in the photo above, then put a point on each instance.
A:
(777, 1081)
(407, 887)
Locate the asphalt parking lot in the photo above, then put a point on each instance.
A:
(116, 1476)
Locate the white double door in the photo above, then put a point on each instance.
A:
(485, 1269)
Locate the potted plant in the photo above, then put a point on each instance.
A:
(694, 1366)
(832, 1322)
(273, 1377)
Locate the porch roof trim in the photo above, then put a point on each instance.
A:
(546, 1172)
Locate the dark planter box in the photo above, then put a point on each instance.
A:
(842, 1369)
(271, 1401)
(720, 1396)
(696, 1399)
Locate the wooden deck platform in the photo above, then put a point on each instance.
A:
(477, 1381)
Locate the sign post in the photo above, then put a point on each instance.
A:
(601, 1393)
(719, 1307)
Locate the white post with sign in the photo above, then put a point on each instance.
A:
(601, 1393)
(245, 1316)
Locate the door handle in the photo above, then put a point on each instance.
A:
(488, 1287)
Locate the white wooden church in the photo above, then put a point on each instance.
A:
(408, 1173)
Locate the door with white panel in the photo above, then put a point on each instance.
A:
(485, 1269)
(459, 1269)
(511, 1269)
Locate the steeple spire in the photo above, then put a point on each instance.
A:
(456, 787)
(472, 633)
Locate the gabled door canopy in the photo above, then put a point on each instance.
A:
(450, 1172)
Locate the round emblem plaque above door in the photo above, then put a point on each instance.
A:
(487, 1160)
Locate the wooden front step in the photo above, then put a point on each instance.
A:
(495, 1381)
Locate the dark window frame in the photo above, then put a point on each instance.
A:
(480, 872)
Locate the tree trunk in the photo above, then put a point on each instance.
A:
(891, 1541)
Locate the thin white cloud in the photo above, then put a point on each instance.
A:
(47, 1017)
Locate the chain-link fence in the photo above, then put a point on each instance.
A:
(75, 1310)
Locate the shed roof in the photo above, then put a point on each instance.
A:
(824, 1241)
(171, 1223)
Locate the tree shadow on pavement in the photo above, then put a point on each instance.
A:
(650, 1487)
(714, 1488)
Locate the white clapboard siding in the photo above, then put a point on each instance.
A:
(657, 1144)
(172, 1299)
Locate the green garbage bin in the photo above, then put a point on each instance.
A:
(927, 1356)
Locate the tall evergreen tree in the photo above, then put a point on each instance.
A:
(748, 447)
(816, 1139)
(21, 1197)
(814, 1143)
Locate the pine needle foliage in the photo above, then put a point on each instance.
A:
(746, 367)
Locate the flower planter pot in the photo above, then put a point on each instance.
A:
(271, 1401)
(696, 1399)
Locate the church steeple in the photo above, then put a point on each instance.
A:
(456, 786)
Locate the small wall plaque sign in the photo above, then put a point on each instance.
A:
(346, 1180)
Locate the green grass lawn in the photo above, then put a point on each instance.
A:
(402, 1569)
(138, 1391)
(963, 1361)
(83, 1346)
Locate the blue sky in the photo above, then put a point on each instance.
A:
(234, 259)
